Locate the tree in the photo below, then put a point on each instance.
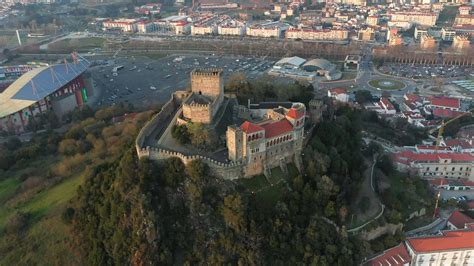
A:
(363, 96)
(232, 211)
(180, 132)
(364, 204)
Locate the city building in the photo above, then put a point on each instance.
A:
(124, 25)
(386, 107)
(366, 35)
(465, 10)
(453, 165)
(372, 20)
(146, 26)
(447, 34)
(458, 220)
(419, 32)
(177, 24)
(413, 17)
(207, 94)
(464, 19)
(427, 42)
(395, 40)
(289, 62)
(339, 94)
(443, 102)
(330, 34)
(201, 29)
(58, 88)
(274, 137)
(322, 67)
(267, 30)
(451, 247)
(461, 42)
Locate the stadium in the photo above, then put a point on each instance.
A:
(58, 88)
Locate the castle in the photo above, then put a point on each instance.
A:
(207, 95)
(260, 137)
(275, 137)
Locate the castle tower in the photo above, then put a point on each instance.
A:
(234, 143)
(207, 82)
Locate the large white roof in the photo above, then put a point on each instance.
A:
(295, 61)
(36, 84)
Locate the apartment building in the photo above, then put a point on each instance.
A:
(317, 34)
(124, 25)
(461, 42)
(418, 18)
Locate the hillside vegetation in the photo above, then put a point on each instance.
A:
(39, 179)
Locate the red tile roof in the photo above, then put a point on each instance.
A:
(450, 240)
(468, 183)
(445, 101)
(407, 157)
(337, 91)
(446, 113)
(412, 97)
(388, 105)
(249, 127)
(459, 219)
(470, 205)
(274, 129)
(395, 256)
(437, 182)
(432, 148)
(293, 113)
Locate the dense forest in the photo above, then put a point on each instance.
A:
(144, 212)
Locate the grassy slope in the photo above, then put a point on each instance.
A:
(47, 236)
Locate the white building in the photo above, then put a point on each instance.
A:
(125, 25)
(199, 29)
(267, 30)
(317, 34)
(453, 165)
(231, 30)
(455, 247)
(339, 94)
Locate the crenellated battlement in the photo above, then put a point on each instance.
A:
(207, 72)
(198, 105)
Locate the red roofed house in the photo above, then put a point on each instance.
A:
(275, 137)
(339, 94)
(453, 165)
(458, 220)
(443, 102)
(450, 248)
(386, 107)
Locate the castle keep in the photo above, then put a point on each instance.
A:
(207, 94)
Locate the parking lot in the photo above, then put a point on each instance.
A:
(144, 82)
(424, 71)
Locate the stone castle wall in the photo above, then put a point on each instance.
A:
(171, 106)
(228, 171)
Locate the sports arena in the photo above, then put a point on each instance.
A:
(58, 88)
